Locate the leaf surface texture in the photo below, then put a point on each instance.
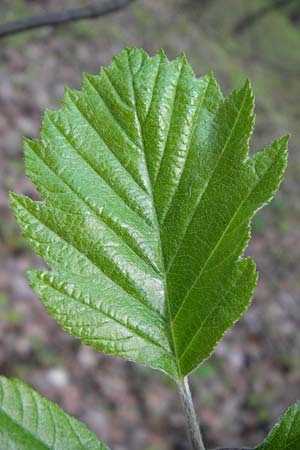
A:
(148, 195)
(286, 433)
(31, 422)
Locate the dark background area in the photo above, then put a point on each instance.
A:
(255, 372)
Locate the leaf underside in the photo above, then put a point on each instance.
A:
(148, 195)
(31, 422)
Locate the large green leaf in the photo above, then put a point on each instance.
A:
(149, 194)
(286, 433)
(30, 422)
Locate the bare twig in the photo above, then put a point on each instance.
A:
(55, 19)
(249, 20)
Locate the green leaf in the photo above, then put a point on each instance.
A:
(31, 422)
(286, 433)
(149, 194)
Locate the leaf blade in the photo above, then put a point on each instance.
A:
(149, 194)
(285, 435)
(31, 422)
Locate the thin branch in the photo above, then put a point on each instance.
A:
(59, 18)
(249, 20)
(192, 423)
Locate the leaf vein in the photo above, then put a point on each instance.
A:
(220, 239)
(138, 214)
(193, 128)
(126, 325)
(208, 182)
(116, 232)
(122, 288)
(169, 128)
(136, 181)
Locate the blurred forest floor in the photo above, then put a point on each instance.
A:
(255, 372)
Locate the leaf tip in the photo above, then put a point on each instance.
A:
(34, 276)
(13, 197)
(211, 75)
(285, 140)
(26, 140)
(161, 53)
(15, 204)
(69, 94)
(183, 58)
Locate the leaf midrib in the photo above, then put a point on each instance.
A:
(173, 343)
(194, 126)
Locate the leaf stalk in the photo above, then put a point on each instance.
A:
(192, 422)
